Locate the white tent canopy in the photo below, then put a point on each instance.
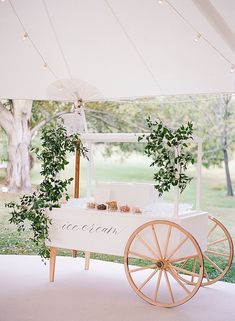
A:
(114, 49)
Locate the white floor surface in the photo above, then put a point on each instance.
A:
(100, 294)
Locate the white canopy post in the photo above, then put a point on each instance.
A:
(198, 141)
(199, 174)
(90, 164)
(177, 190)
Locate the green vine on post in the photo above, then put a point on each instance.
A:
(170, 153)
(31, 210)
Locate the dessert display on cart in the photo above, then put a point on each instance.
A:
(167, 248)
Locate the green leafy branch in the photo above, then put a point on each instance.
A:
(169, 151)
(31, 210)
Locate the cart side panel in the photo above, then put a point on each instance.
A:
(89, 230)
(92, 231)
(197, 225)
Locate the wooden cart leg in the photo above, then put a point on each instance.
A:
(53, 251)
(87, 260)
(74, 253)
(76, 185)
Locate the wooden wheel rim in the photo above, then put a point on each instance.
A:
(230, 255)
(196, 285)
(207, 280)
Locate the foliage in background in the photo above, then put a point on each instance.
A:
(56, 144)
(21, 120)
(123, 116)
(44, 112)
(218, 126)
(213, 117)
(169, 150)
(214, 121)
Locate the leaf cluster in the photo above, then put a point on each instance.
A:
(169, 151)
(31, 210)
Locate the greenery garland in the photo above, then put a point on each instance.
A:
(169, 150)
(31, 210)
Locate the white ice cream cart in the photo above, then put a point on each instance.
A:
(167, 249)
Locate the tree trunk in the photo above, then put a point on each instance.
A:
(15, 123)
(224, 141)
(227, 172)
(19, 139)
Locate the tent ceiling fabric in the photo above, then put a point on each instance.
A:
(115, 49)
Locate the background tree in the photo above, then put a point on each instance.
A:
(21, 120)
(15, 119)
(217, 126)
(213, 118)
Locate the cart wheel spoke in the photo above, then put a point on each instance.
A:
(167, 241)
(170, 290)
(156, 240)
(151, 266)
(185, 263)
(219, 253)
(169, 286)
(182, 259)
(212, 229)
(147, 246)
(175, 276)
(157, 285)
(184, 271)
(147, 280)
(187, 271)
(218, 241)
(213, 263)
(178, 247)
(141, 256)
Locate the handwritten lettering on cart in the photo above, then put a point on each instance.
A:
(92, 228)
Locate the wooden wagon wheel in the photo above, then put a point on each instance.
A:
(218, 255)
(151, 264)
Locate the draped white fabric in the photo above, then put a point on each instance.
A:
(115, 49)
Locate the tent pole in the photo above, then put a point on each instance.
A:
(76, 195)
(199, 174)
(77, 175)
(177, 190)
(76, 184)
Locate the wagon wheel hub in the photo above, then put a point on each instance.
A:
(162, 264)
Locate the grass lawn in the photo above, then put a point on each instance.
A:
(214, 200)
